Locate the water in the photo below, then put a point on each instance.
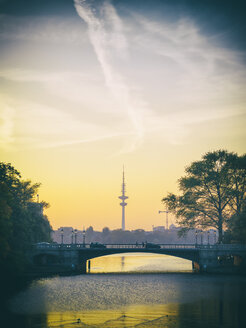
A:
(135, 262)
(146, 299)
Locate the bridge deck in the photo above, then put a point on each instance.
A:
(73, 257)
(139, 246)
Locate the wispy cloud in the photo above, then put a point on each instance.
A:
(198, 80)
(27, 75)
(107, 38)
(41, 29)
(26, 125)
(62, 93)
(183, 42)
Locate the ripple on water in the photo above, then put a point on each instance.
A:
(133, 300)
(111, 291)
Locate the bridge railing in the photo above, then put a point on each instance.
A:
(110, 246)
(222, 247)
(138, 246)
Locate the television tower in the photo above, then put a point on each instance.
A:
(123, 197)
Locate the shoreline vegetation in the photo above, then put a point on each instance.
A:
(22, 223)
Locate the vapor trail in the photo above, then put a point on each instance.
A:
(105, 33)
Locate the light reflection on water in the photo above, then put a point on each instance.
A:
(136, 262)
(170, 300)
(131, 316)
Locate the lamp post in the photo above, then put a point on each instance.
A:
(208, 237)
(72, 236)
(196, 236)
(83, 236)
(62, 232)
(75, 235)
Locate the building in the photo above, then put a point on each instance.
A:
(123, 204)
(159, 229)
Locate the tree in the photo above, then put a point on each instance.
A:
(236, 232)
(237, 171)
(212, 190)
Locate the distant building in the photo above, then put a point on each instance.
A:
(174, 227)
(159, 228)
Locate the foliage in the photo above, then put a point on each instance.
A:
(212, 190)
(21, 220)
(236, 232)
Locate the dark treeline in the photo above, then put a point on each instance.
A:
(22, 223)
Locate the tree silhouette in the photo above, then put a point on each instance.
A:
(212, 190)
(21, 221)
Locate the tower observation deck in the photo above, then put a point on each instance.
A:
(123, 197)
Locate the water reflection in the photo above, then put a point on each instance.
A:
(122, 263)
(201, 313)
(136, 262)
(149, 300)
(170, 300)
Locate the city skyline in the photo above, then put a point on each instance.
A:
(89, 85)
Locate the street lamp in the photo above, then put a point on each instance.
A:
(72, 236)
(196, 237)
(62, 232)
(75, 235)
(83, 236)
(208, 237)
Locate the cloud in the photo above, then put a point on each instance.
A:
(32, 125)
(41, 29)
(27, 75)
(130, 76)
(177, 127)
(105, 32)
(189, 77)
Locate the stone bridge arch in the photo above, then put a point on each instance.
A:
(72, 258)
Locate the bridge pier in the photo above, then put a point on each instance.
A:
(221, 260)
(208, 260)
(195, 266)
(81, 263)
(82, 267)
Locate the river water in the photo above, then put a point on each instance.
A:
(132, 291)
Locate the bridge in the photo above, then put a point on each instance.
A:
(65, 259)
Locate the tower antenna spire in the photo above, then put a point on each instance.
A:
(123, 197)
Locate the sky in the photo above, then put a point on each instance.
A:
(89, 86)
